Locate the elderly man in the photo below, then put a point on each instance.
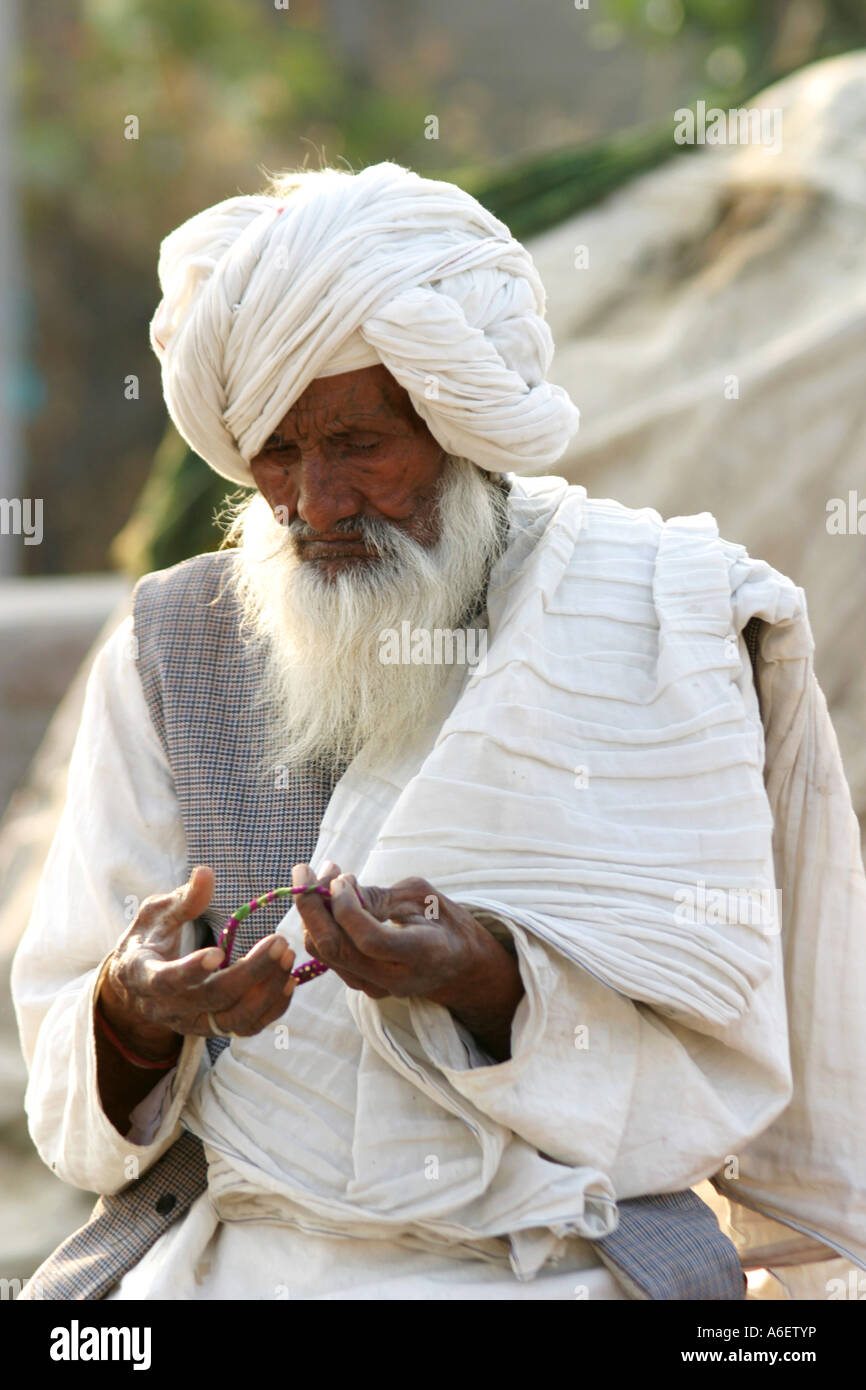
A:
(531, 987)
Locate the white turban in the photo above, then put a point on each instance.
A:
(260, 295)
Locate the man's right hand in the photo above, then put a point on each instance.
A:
(150, 994)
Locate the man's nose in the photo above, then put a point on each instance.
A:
(324, 495)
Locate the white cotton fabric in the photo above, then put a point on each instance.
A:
(610, 631)
(261, 295)
(485, 806)
(204, 1257)
(634, 672)
(121, 838)
(350, 356)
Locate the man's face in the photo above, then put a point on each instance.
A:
(351, 446)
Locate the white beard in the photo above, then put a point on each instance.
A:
(327, 690)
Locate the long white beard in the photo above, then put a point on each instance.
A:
(327, 689)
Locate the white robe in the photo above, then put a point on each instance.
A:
(300, 1136)
(120, 838)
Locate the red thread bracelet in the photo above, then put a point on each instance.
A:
(130, 1056)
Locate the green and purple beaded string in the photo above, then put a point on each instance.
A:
(311, 968)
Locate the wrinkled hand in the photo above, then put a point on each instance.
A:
(408, 940)
(149, 995)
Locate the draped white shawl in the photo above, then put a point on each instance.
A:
(599, 773)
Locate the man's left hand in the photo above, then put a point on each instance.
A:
(412, 940)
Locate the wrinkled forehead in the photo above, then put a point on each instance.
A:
(368, 395)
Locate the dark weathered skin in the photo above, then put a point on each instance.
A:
(352, 445)
(411, 939)
(152, 997)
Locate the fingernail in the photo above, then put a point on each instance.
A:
(277, 949)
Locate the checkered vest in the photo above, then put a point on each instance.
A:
(201, 681)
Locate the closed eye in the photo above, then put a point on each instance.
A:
(275, 443)
(360, 446)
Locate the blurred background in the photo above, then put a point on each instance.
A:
(708, 300)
